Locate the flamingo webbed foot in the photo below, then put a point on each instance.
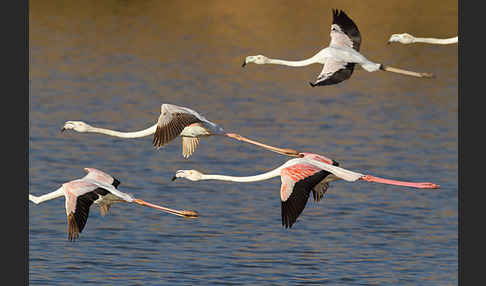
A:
(190, 213)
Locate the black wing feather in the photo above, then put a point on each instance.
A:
(320, 189)
(295, 204)
(83, 203)
(337, 77)
(167, 133)
(347, 26)
(115, 183)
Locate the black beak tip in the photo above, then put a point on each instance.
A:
(244, 64)
(174, 178)
(311, 84)
(62, 129)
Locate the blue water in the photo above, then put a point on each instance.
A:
(113, 64)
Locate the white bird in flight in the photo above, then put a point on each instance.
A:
(176, 121)
(300, 176)
(340, 58)
(96, 187)
(406, 38)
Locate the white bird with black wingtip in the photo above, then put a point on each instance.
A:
(340, 57)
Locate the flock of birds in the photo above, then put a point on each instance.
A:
(300, 176)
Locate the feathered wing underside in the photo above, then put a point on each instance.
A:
(297, 183)
(104, 209)
(170, 125)
(319, 190)
(349, 35)
(189, 145)
(80, 195)
(77, 219)
(99, 175)
(338, 172)
(334, 72)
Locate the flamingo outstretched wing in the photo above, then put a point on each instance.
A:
(348, 33)
(101, 176)
(80, 195)
(334, 72)
(172, 120)
(297, 182)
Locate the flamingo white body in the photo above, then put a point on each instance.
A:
(175, 121)
(99, 188)
(299, 177)
(339, 58)
(406, 39)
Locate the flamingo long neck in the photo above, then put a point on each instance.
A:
(49, 196)
(256, 178)
(135, 134)
(301, 63)
(437, 41)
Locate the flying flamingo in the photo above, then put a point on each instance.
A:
(300, 176)
(409, 39)
(99, 188)
(176, 121)
(339, 58)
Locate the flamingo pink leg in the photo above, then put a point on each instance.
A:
(283, 151)
(183, 213)
(422, 185)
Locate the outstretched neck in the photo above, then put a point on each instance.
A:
(136, 134)
(49, 196)
(261, 177)
(437, 41)
(301, 63)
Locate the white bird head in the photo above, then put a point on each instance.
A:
(192, 175)
(78, 126)
(402, 38)
(34, 199)
(258, 59)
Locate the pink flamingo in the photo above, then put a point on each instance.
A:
(99, 188)
(300, 176)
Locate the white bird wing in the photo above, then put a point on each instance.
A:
(172, 120)
(189, 145)
(334, 72)
(101, 176)
(339, 172)
(348, 34)
(111, 189)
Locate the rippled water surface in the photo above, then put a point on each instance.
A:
(113, 63)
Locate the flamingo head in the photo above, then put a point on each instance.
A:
(192, 175)
(259, 60)
(402, 38)
(78, 126)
